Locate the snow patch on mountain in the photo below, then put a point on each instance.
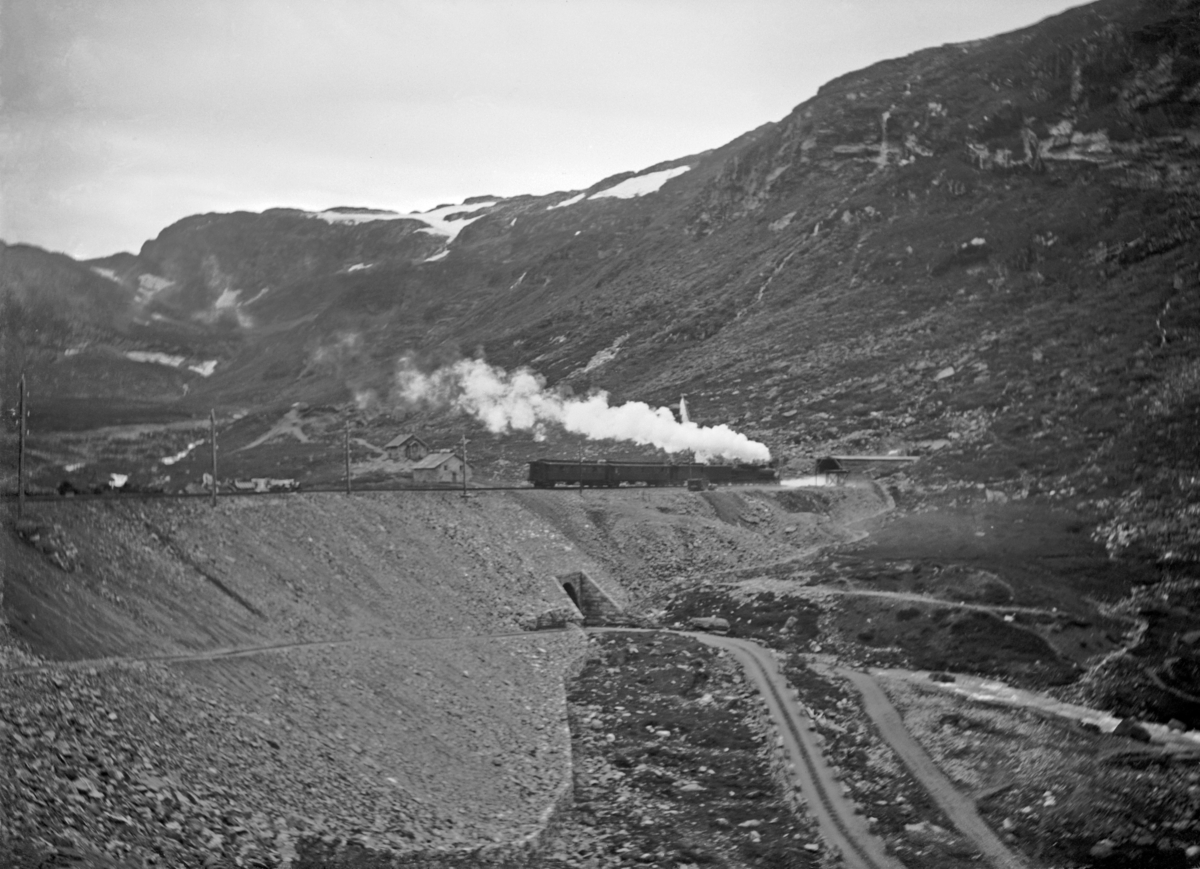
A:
(437, 256)
(227, 299)
(256, 297)
(640, 185)
(204, 369)
(149, 286)
(447, 220)
(450, 220)
(182, 454)
(358, 267)
(155, 358)
(355, 217)
(608, 354)
(106, 273)
(576, 198)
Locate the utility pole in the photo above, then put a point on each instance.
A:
(347, 455)
(212, 439)
(21, 449)
(581, 469)
(464, 463)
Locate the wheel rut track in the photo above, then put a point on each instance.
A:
(960, 809)
(789, 722)
(226, 653)
(840, 826)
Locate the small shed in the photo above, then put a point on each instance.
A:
(846, 464)
(407, 446)
(442, 467)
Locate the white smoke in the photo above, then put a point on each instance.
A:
(505, 401)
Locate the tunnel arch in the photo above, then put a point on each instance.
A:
(592, 601)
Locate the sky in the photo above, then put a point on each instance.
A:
(120, 117)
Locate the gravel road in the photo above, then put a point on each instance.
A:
(843, 828)
(840, 824)
(957, 805)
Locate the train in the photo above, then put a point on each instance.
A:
(547, 473)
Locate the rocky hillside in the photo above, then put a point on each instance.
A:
(985, 252)
(385, 687)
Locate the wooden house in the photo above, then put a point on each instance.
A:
(444, 467)
(408, 447)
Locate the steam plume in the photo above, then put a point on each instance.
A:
(519, 400)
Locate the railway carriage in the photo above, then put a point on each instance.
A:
(547, 473)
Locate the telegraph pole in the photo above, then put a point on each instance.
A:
(212, 439)
(347, 455)
(464, 462)
(21, 449)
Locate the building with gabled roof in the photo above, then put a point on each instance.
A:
(407, 446)
(441, 467)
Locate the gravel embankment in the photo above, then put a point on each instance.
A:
(410, 729)
(407, 749)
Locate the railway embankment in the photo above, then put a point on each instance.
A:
(284, 677)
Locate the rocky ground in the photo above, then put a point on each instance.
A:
(398, 750)
(671, 764)
(392, 701)
(1062, 793)
(402, 715)
(1024, 602)
(653, 538)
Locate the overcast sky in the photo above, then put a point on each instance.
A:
(120, 117)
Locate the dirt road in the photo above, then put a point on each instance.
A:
(247, 651)
(819, 591)
(957, 806)
(841, 827)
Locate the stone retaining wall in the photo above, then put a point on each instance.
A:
(597, 606)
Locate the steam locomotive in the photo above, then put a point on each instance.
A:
(547, 473)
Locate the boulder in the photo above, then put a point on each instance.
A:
(716, 624)
(1133, 729)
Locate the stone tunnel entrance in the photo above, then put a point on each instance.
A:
(590, 599)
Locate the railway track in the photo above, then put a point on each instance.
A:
(54, 498)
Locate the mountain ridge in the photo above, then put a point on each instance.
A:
(1019, 211)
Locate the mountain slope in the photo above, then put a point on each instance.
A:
(989, 245)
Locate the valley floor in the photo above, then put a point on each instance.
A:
(240, 687)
